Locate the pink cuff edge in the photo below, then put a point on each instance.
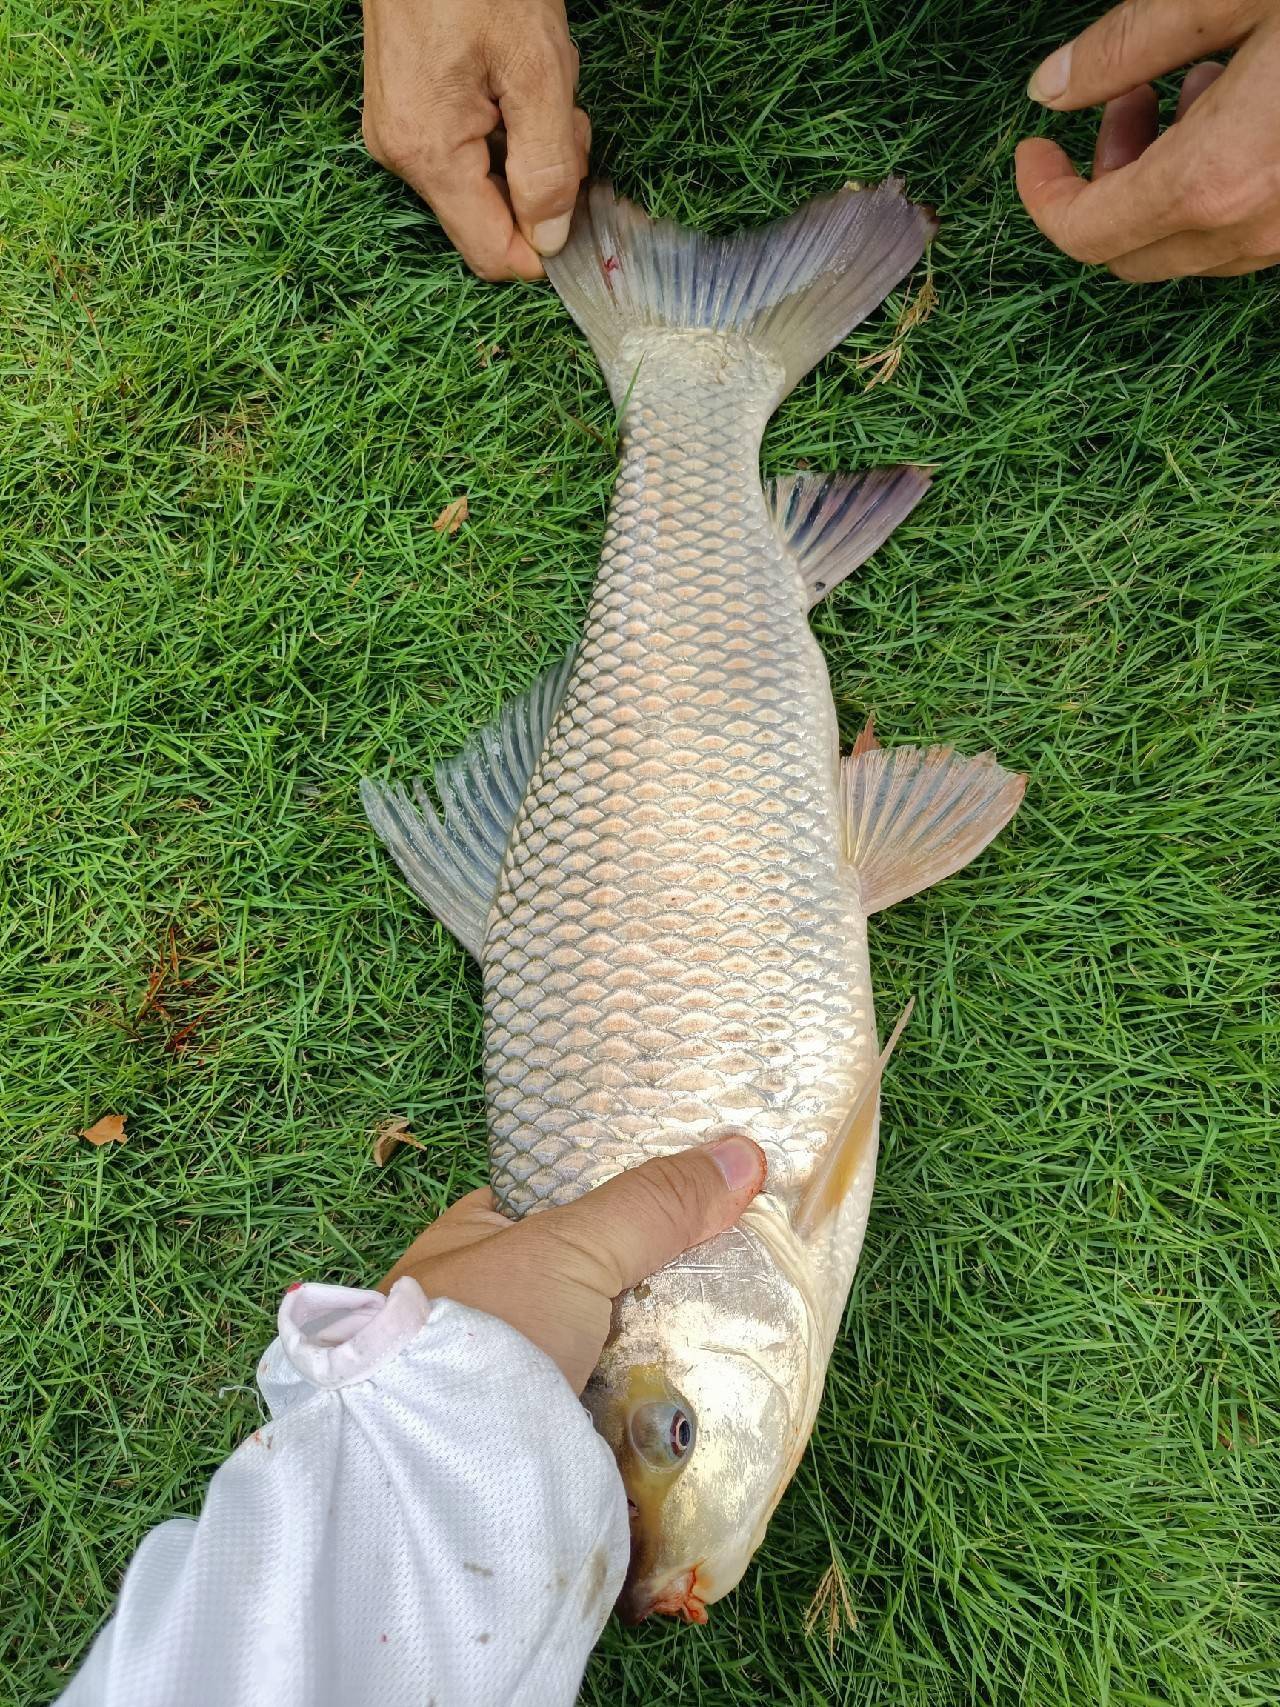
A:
(368, 1329)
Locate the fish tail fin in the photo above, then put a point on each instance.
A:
(793, 289)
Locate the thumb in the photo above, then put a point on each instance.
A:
(641, 1220)
(1136, 42)
(545, 157)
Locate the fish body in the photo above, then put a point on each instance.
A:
(666, 869)
(676, 945)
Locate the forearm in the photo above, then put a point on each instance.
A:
(428, 1513)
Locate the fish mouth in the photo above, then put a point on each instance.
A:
(680, 1597)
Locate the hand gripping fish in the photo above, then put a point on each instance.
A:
(665, 867)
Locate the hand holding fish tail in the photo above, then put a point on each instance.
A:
(471, 103)
(555, 1275)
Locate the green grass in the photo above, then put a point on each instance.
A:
(243, 375)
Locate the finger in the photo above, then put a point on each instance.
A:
(1129, 125)
(1189, 253)
(463, 1223)
(1135, 42)
(1124, 210)
(470, 204)
(582, 138)
(1252, 264)
(1194, 84)
(643, 1219)
(471, 1206)
(543, 154)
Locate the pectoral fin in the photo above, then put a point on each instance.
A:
(914, 815)
(829, 1185)
(453, 862)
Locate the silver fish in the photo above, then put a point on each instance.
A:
(666, 868)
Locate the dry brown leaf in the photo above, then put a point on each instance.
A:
(452, 516)
(388, 1138)
(108, 1130)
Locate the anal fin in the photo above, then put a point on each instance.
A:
(453, 861)
(914, 815)
(831, 523)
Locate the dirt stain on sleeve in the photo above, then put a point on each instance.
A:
(476, 1570)
(594, 1578)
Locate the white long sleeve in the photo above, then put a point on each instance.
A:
(429, 1517)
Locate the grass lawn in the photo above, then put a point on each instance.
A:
(243, 375)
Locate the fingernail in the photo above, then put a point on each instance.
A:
(1049, 81)
(741, 1162)
(549, 237)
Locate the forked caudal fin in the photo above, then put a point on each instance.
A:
(793, 289)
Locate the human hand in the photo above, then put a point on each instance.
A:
(452, 89)
(1204, 196)
(554, 1275)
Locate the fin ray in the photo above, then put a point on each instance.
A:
(452, 862)
(915, 815)
(832, 523)
(833, 1176)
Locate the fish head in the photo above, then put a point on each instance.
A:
(706, 1394)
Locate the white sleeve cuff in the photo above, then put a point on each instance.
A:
(428, 1514)
(333, 1335)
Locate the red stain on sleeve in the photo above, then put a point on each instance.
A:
(296, 1287)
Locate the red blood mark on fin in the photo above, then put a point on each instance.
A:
(611, 264)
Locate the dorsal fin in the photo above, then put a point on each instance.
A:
(831, 1179)
(453, 862)
(831, 523)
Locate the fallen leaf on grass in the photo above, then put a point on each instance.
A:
(452, 516)
(108, 1130)
(389, 1136)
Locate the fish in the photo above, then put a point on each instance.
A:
(665, 867)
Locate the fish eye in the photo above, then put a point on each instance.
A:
(662, 1433)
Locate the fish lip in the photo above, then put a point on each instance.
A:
(680, 1598)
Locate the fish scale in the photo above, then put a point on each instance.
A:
(674, 947)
